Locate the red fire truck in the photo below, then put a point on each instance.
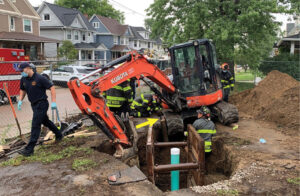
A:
(8, 73)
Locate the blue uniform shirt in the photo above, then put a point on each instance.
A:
(35, 87)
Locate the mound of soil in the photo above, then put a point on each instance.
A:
(275, 99)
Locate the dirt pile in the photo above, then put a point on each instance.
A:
(275, 99)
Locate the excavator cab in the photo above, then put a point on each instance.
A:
(194, 68)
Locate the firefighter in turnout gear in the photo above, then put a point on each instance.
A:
(227, 81)
(205, 127)
(145, 105)
(119, 98)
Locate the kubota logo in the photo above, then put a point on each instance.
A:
(119, 77)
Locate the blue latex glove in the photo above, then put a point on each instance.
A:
(53, 106)
(19, 104)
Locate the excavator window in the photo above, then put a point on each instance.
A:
(187, 73)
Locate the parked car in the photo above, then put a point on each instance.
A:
(93, 65)
(64, 74)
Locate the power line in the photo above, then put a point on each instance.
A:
(125, 7)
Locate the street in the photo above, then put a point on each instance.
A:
(8, 128)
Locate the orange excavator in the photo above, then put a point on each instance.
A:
(195, 82)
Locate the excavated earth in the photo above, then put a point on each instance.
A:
(239, 164)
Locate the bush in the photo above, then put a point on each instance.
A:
(284, 62)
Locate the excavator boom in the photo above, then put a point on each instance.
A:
(91, 102)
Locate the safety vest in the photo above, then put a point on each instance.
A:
(206, 129)
(144, 105)
(227, 79)
(118, 95)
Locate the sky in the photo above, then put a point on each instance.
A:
(135, 14)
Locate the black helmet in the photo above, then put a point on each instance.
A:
(204, 110)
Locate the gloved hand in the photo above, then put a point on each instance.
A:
(19, 104)
(53, 106)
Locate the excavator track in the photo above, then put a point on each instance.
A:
(226, 113)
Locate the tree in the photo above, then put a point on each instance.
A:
(68, 50)
(238, 28)
(90, 7)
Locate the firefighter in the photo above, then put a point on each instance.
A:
(35, 86)
(205, 127)
(227, 81)
(119, 98)
(145, 105)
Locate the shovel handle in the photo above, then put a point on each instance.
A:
(57, 115)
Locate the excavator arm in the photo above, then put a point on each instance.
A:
(91, 102)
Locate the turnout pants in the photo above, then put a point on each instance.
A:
(226, 94)
(40, 117)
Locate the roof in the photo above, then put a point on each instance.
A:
(14, 36)
(113, 25)
(67, 15)
(137, 36)
(120, 48)
(83, 45)
(295, 38)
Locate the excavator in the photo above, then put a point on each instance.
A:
(195, 82)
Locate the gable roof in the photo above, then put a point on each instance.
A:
(67, 15)
(113, 25)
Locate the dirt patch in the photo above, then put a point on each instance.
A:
(275, 99)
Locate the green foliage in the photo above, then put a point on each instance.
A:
(284, 62)
(68, 50)
(294, 180)
(243, 31)
(83, 164)
(91, 7)
(44, 155)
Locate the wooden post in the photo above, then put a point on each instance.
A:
(150, 156)
(164, 129)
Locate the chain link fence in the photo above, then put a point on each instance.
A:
(59, 72)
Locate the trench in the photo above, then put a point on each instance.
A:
(219, 165)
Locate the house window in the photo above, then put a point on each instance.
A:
(27, 25)
(122, 41)
(69, 35)
(46, 17)
(139, 44)
(12, 23)
(89, 34)
(76, 35)
(115, 40)
(83, 36)
(96, 25)
(76, 21)
(1, 2)
(149, 45)
(135, 43)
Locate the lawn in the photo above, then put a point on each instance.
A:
(244, 76)
(241, 86)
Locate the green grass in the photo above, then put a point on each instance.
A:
(83, 164)
(241, 86)
(44, 155)
(244, 76)
(294, 180)
(227, 192)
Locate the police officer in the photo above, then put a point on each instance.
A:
(227, 81)
(205, 127)
(35, 86)
(119, 97)
(145, 105)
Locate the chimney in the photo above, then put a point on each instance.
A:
(86, 15)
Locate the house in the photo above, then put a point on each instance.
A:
(293, 28)
(291, 43)
(141, 40)
(70, 24)
(20, 28)
(112, 34)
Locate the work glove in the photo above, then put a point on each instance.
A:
(19, 104)
(53, 106)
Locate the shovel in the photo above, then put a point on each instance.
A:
(62, 125)
(14, 112)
